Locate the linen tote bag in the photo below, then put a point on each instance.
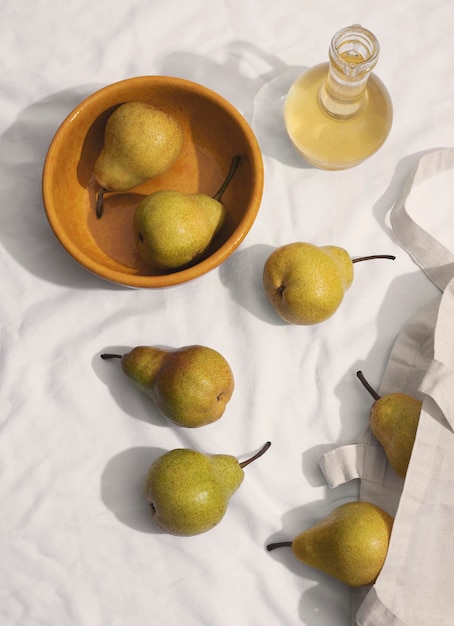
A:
(416, 584)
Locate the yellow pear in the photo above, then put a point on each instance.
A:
(191, 386)
(394, 420)
(189, 492)
(306, 283)
(173, 229)
(140, 142)
(350, 544)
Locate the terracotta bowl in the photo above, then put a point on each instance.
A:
(214, 132)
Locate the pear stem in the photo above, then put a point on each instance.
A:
(369, 388)
(111, 356)
(279, 544)
(233, 167)
(99, 202)
(374, 256)
(256, 456)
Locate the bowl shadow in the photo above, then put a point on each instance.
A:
(24, 229)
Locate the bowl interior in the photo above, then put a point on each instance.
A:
(214, 132)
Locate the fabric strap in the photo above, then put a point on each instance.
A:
(415, 585)
(431, 256)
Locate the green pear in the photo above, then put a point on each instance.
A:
(349, 544)
(191, 386)
(394, 420)
(189, 492)
(306, 283)
(173, 229)
(140, 142)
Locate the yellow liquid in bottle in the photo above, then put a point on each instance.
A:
(330, 142)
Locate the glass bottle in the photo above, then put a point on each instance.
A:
(339, 113)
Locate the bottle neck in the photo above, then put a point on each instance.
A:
(352, 56)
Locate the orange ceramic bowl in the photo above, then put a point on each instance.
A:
(214, 132)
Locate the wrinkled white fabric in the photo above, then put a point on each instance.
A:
(77, 546)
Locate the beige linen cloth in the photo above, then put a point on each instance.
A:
(416, 584)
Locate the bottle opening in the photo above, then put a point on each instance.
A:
(354, 50)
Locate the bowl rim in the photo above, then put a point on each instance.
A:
(187, 274)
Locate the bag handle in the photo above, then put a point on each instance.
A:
(433, 258)
(438, 264)
(432, 359)
(438, 382)
(357, 460)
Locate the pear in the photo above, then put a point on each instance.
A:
(140, 142)
(189, 492)
(306, 283)
(191, 386)
(350, 544)
(173, 229)
(394, 420)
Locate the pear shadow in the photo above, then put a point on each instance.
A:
(352, 425)
(89, 152)
(316, 603)
(131, 400)
(355, 401)
(301, 518)
(24, 230)
(122, 492)
(242, 273)
(352, 394)
(349, 431)
(326, 602)
(419, 291)
(294, 522)
(260, 99)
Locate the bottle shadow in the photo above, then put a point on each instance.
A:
(260, 99)
(268, 120)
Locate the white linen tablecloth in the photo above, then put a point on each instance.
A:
(77, 545)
